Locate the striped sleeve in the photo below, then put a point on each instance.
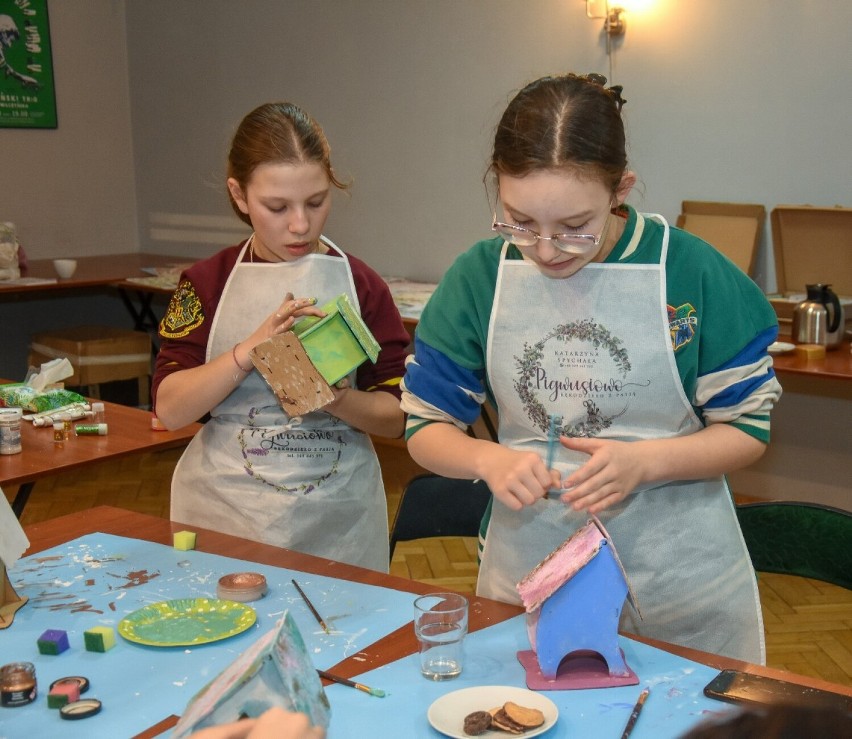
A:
(437, 389)
(742, 391)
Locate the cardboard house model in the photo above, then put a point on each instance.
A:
(275, 671)
(301, 365)
(573, 600)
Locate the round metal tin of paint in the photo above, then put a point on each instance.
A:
(81, 682)
(242, 587)
(80, 709)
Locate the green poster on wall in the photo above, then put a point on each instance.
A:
(27, 94)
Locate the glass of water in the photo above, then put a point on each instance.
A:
(440, 623)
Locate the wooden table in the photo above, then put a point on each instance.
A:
(396, 645)
(130, 432)
(108, 270)
(836, 365)
(96, 271)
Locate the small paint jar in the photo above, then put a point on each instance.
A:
(67, 426)
(10, 430)
(59, 432)
(17, 684)
(91, 429)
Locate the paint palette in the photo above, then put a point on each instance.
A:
(187, 621)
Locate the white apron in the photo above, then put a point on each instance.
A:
(595, 348)
(309, 483)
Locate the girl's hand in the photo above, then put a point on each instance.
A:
(613, 471)
(274, 723)
(290, 309)
(284, 317)
(517, 479)
(340, 390)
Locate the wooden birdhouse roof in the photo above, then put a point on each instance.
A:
(566, 561)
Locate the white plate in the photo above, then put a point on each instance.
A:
(447, 713)
(780, 347)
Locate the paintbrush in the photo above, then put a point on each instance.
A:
(634, 715)
(311, 607)
(552, 438)
(352, 684)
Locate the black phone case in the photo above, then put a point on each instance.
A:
(734, 686)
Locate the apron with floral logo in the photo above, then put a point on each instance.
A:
(309, 483)
(595, 349)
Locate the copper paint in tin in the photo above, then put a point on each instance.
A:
(17, 684)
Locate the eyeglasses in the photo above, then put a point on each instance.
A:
(570, 243)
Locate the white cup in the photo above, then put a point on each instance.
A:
(65, 267)
(440, 624)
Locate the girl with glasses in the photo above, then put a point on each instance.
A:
(310, 483)
(638, 346)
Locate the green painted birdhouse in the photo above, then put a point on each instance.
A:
(338, 343)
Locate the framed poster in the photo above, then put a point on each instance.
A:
(27, 93)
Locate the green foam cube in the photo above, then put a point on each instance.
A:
(99, 638)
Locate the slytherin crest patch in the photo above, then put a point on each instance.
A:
(184, 313)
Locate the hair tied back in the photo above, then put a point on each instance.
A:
(614, 91)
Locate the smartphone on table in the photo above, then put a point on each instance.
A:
(735, 686)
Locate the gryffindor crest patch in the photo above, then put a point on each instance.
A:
(184, 314)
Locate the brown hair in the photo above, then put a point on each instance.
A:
(566, 122)
(776, 721)
(277, 133)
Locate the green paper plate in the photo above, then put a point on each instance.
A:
(188, 621)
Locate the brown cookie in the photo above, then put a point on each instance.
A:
(477, 723)
(529, 718)
(502, 721)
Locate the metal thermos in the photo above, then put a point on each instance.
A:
(819, 319)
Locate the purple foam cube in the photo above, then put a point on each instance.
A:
(53, 641)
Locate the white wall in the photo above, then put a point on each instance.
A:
(726, 101)
(71, 191)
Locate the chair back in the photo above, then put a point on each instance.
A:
(804, 539)
(432, 505)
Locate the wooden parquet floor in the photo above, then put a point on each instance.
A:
(808, 622)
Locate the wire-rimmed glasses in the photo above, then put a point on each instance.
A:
(570, 243)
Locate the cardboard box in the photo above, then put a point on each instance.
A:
(811, 245)
(732, 228)
(97, 353)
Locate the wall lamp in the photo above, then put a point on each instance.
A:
(614, 23)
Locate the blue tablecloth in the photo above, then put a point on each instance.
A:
(676, 702)
(99, 579)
